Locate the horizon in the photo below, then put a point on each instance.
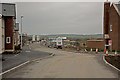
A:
(65, 34)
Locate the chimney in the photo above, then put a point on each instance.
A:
(106, 23)
(106, 16)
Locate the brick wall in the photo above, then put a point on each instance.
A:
(9, 32)
(119, 33)
(115, 33)
(95, 44)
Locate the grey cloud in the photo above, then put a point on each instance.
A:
(61, 17)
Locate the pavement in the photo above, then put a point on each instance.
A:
(65, 65)
(27, 54)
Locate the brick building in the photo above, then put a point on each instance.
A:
(95, 44)
(112, 26)
(8, 12)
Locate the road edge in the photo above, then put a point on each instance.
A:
(22, 64)
(110, 64)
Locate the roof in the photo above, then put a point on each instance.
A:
(7, 9)
(117, 7)
(8, 3)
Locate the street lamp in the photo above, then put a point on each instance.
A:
(21, 30)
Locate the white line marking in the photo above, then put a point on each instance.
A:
(27, 51)
(23, 64)
(14, 68)
(110, 64)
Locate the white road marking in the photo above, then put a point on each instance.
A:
(23, 64)
(14, 68)
(27, 51)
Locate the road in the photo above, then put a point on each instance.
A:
(65, 65)
(27, 54)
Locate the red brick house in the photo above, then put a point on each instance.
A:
(112, 26)
(8, 13)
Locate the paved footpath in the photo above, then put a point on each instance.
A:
(65, 65)
(12, 60)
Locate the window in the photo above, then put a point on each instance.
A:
(8, 40)
(110, 27)
(59, 42)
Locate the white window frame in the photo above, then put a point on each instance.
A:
(110, 28)
(8, 40)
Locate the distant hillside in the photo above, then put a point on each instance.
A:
(74, 36)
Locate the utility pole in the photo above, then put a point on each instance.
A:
(21, 31)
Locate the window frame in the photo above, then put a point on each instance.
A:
(111, 28)
(8, 40)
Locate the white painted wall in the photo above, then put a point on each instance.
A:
(0, 35)
(2, 46)
(33, 38)
(3, 33)
(38, 38)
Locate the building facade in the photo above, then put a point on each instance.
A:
(112, 26)
(95, 44)
(8, 13)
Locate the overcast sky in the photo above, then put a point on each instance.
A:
(61, 17)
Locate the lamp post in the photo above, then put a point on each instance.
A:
(21, 31)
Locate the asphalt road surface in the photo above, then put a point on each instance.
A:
(27, 54)
(65, 65)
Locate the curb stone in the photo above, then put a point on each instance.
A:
(110, 64)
